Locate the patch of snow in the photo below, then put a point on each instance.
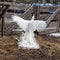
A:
(55, 34)
(45, 4)
(48, 4)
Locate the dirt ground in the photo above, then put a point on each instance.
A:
(49, 49)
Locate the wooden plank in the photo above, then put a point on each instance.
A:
(9, 3)
(4, 9)
(3, 12)
(58, 26)
(2, 27)
(27, 13)
(52, 16)
(10, 28)
(4, 3)
(36, 11)
(48, 30)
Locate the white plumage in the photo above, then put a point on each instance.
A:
(29, 26)
(21, 22)
(38, 25)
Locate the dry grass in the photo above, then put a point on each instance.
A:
(50, 49)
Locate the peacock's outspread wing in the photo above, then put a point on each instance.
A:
(21, 22)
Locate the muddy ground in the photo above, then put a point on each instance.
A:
(49, 49)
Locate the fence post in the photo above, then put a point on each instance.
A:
(2, 27)
(58, 27)
(36, 11)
